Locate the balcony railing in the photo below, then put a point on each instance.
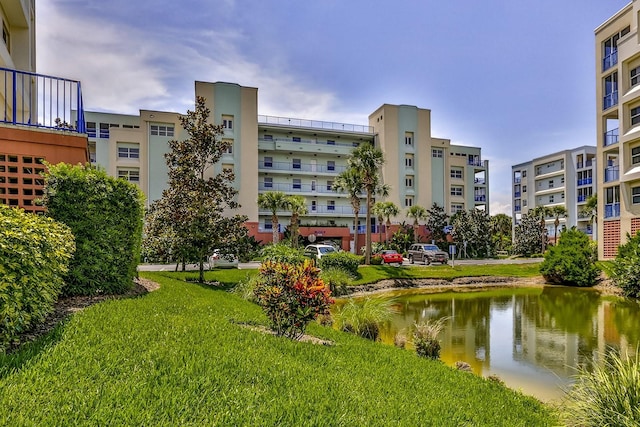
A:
(586, 164)
(517, 209)
(321, 209)
(610, 60)
(477, 162)
(300, 188)
(311, 142)
(517, 180)
(612, 210)
(37, 100)
(479, 181)
(611, 137)
(314, 124)
(582, 198)
(612, 173)
(481, 198)
(516, 194)
(301, 167)
(610, 100)
(585, 181)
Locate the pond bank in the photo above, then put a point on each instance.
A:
(464, 284)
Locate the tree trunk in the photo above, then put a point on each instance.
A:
(367, 252)
(276, 232)
(355, 229)
(386, 231)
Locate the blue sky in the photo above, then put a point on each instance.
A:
(515, 78)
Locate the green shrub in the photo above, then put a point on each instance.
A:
(282, 252)
(105, 215)
(625, 269)
(291, 296)
(345, 260)
(376, 260)
(246, 288)
(34, 256)
(572, 261)
(363, 318)
(336, 279)
(425, 338)
(608, 396)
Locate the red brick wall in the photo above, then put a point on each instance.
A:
(611, 238)
(635, 226)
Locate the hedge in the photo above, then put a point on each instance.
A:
(344, 260)
(105, 214)
(34, 255)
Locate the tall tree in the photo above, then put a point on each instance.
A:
(378, 211)
(389, 210)
(590, 210)
(367, 160)
(197, 202)
(417, 213)
(437, 219)
(274, 201)
(527, 235)
(501, 229)
(473, 229)
(541, 213)
(350, 182)
(557, 212)
(298, 207)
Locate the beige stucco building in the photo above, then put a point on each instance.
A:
(299, 156)
(617, 46)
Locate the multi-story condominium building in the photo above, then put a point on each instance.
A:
(618, 128)
(36, 121)
(566, 178)
(298, 156)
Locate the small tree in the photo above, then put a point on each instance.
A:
(274, 201)
(557, 212)
(298, 207)
(501, 229)
(528, 235)
(196, 204)
(626, 267)
(571, 261)
(437, 220)
(350, 181)
(417, 213)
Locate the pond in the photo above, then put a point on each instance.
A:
(532, 338)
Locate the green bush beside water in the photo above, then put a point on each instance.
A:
(181, 355)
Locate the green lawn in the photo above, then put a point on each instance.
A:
(178, 356)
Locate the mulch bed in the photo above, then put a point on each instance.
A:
(65, 307)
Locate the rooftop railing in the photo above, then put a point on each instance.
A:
(313, 124)
(30, 99)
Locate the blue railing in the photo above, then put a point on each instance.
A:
(610, 60)
(585, 181)
(480, 198)
(37, 100)
(517, 209)
(611, 137)
(581, 198)
(612, 173)
(516, 194)
(610, 100)
(612, 210)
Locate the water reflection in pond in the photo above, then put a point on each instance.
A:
(533, 339)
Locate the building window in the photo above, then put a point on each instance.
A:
(331, 165)
(408, 139)
(524, 188)
(551, 199)
(268, 162)
(635, 195)
(524, 202)
(297, 164)
(524, 174)
(91, 129)
(456, 173)
(268, 225)
(162, 130)
(635, 155)
(437, 152)
(128, 152)
(456, 207)
(314, 206)
(268, 182)
(329, 185)
(331, 205)
(297, 184)
(635, 116)
(610, 49)
(635, 76)
(408, 160)
(456, 190)
(408, 202)
(131, 175)
(331, 142)
(268, 137)
(227, 122)
(610, 90)
(296, 139)
(408, 181)
(6, 36)
(550, 183)
(104, 130)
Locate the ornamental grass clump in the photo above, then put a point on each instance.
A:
(608, 396)
(291, 296)
(337, 279)
(425, 338)
(364, 318)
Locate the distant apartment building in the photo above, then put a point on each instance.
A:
(566, 178)
(37, 117)
(618, 128)
(298, 156)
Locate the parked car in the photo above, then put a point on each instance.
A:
(427, 253)
(390, 256)
(220, 260)
(318, 251)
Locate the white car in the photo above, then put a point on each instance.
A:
(222, 260)
(318, 251)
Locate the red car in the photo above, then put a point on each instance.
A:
(391, 257)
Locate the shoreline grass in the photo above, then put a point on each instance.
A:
(178, 357)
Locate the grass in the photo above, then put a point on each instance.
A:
(375, 273)
(179, 356)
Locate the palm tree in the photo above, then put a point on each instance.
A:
(367, 160)
(298, 207)
(378, 211)
(557, 212)
(273, 201)
(590, 209)
(417, 213)
(542, 212)
(389, 210)
(502, 226)
(350, 181)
